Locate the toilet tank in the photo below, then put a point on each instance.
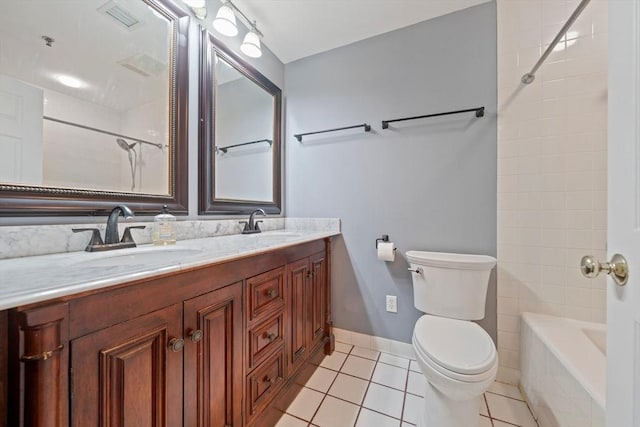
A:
(450, 285)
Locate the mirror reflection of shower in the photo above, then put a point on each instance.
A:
(135, 159)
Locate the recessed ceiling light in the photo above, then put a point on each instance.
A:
(70, 81)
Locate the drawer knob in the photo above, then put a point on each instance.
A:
(271, 293)
(196, 335)
(270, 337)
(176, 344)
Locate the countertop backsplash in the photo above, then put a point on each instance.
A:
(32, 240)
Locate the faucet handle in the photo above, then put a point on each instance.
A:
(255, 226)
(127, 237)
(246, 225)
(96, 239)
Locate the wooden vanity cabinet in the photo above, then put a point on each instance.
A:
(212, 346)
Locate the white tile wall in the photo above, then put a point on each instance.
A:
(551, 166)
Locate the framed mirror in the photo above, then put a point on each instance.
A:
(93, 106)
(239, 135)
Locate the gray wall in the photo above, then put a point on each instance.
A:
(430, 184)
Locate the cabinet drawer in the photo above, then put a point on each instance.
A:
(265, 293)
(264, 338)
(264, 382)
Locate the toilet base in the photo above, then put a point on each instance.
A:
(440, 411)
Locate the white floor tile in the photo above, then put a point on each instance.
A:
(510, 410)
(498, 423)
(415, 367)
(343, 348)
(305, 404)
(394, 360)
(288, 421)
(321, 379)
(369, 418)
(391, 376)
(349, 388)
(359, 367)
(334, 361)
(483, 406)
(485, 422)
(413, 407)
(406, 424)
(506, 390)
(384, 399)
(417, 383)
(365, 352)
(335, 412)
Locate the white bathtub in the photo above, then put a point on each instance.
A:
(563, 364)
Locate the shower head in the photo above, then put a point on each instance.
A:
(123, 144)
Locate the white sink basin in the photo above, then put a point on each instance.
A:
(139, 257)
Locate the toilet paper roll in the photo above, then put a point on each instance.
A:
(386, 251)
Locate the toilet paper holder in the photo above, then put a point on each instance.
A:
(384, 238)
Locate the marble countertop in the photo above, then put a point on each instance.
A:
(38, 278)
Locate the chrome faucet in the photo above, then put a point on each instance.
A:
(251, 227)
(111, 238)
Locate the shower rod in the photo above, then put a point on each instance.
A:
(531, 75)
(106, 132)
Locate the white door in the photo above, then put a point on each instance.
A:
(21, 109)
(623, 303)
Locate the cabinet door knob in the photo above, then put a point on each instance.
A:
(270, 337)
(176, 344)
(271, 293)
(196, 335)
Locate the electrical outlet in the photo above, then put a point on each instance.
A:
(392, 303)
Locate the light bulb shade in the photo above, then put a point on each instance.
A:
(251, 45)
(225, 22)
(196, 4)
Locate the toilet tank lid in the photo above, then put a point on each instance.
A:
(450, 260)
(460, 346)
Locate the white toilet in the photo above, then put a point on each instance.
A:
(457, 356)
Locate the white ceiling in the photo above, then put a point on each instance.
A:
(294, 29)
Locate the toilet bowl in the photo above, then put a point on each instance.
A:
(457, 357)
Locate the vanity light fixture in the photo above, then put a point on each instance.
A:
(225, 22)
(251, 44)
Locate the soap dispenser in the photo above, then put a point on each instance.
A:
(164, 228)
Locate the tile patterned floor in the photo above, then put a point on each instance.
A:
(366, 388)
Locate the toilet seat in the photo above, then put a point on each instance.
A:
(458, 349)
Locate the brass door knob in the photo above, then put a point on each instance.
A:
(196, 335)
(617, 268)
(176, 344)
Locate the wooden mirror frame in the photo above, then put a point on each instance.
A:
(208, 204)
(25, 200)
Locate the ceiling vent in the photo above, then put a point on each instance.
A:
(118, 13)
(143, 64)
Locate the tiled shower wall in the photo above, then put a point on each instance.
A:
(552, 159)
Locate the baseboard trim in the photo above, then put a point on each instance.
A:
(373, 342)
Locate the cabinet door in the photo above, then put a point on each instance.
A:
(318, 299)
(297, 283)
(213, 359)
(126, 375)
